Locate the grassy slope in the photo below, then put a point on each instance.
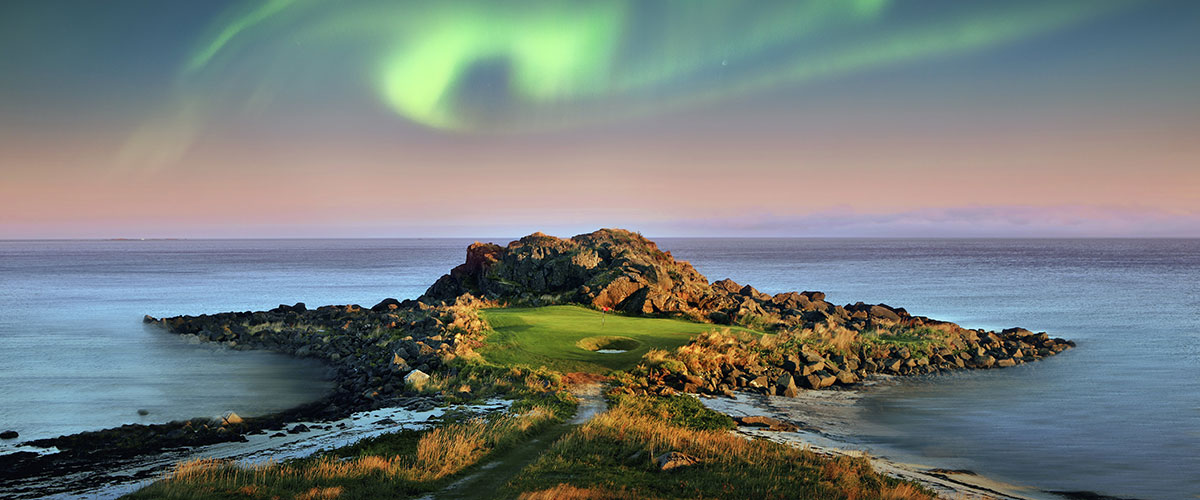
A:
(613, 456)
(398, 465)
(547, 336)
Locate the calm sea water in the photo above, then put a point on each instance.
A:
(75, 356)
(1119, 415)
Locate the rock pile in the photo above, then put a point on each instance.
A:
(370, 351)
(785, 374)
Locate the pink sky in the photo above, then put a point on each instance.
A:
(1141, 182)
(1083, 125)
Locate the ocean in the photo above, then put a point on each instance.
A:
(77, 357)
(1119, 415)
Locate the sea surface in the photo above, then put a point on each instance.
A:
(75, 356)
(1119, 415)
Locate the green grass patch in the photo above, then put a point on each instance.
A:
(918, 341)
(680, 410)
(558, 337)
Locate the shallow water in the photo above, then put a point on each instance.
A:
(77, 357)
(258, 449)
(1119, 415)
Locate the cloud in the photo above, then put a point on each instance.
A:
(974, 221)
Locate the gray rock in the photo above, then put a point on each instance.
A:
(675, 460)
(786, 386)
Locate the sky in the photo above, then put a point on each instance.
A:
(798, 118)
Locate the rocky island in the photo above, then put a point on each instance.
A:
(385, 355)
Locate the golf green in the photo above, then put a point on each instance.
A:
(573, 338)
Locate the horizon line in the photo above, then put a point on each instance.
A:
(721, 237)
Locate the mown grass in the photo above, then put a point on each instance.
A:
(551, 337)
(399, 464)
(613, 456)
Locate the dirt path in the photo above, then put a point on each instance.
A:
(485, 482)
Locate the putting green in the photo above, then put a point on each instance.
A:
(566, 338)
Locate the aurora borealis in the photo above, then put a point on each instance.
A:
(385, 118)
(578, 58)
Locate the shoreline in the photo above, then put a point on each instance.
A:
(361, 382)
(119, 477)
(828, 433)
(830, 439)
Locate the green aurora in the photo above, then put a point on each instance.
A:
(520, 66)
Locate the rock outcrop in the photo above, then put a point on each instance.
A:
(621, 270)
(610, 268)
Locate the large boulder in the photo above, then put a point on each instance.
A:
(231, 418)
(416, 379)
(773, 424)
(786, 386)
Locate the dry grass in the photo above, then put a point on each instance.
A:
(659, 436)
(321, 493)
(440, 453)
(472, 381)
(835, 336)
(568, 492)
(616, 450)
(707, 352)
(901, 491)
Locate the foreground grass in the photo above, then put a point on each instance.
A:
(389, 466)
(613, 456)
(561, 337)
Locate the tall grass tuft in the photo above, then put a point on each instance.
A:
(564, 491)
(617, 449)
